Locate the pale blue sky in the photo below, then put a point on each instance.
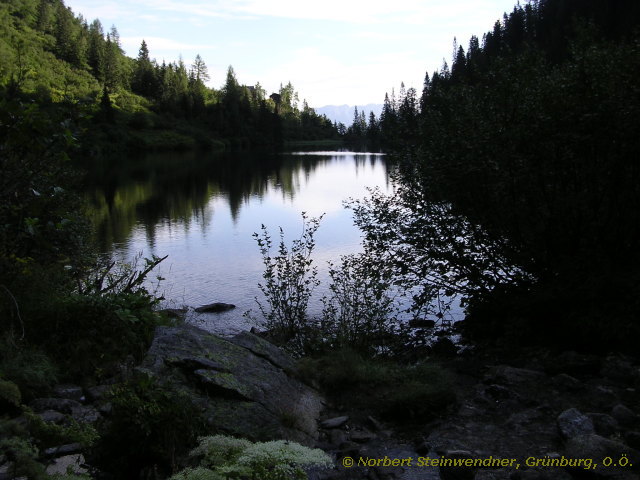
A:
(333, 51)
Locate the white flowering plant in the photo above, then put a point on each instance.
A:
(222, 458)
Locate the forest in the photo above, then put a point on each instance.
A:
(56, 58)
(519, 177)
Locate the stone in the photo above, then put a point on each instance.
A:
(264, 349)
(73, 464)
(624, 415)
(72, 392)
(191, 363)
(618, 368)
(215, 307)
(506, 375)
(62, 450)
(597, 447)
(374, 424)
(63, 405)
(85, 414)
(574, 363)
(604, 424)
(335, 422)
(499, 392)
(565, 382)
(361, 436)
(572, 422)
(458, 473)
(53, 416)
(337, 437)
(632, 439)
(239, 392)
(97, 392)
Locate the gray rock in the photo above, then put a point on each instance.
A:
(458, 473)
(337, 437)
(62, 450)
(266, 350)
(565, 382)
(240, 392)
(63, 405)
(506, 375)
(53, 416)
(618, 368)
(215, 307)
(572, 422)
(72, 392)
(597, 447)
(632, 439)
(192, 363)
(85, 414)
(574, 363)
(624, 415)
(374, 424)
(97, 392)
(68, 464)
(361, 436)
(604, 424)
(335, 422)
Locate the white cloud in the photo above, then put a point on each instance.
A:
(161, 47)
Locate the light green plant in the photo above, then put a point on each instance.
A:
(224, 457)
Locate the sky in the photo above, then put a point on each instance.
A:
(333, 52)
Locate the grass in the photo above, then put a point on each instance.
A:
(394, 391)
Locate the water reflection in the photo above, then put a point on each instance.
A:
(201, 209)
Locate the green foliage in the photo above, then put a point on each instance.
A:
(24, 457)
(519, 191)
(21, 442)
(27, 367)
(289, 279)
(161, 424)
(359, 311)
(395, 391)
(9, 394)
(48, 434)
(223, 457)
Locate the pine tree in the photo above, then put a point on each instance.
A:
(200, 70)
(96, 49)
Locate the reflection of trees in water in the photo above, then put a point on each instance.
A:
(175, 188)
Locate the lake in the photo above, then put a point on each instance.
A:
(201, 210)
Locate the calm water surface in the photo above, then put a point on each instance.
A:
(201, 210)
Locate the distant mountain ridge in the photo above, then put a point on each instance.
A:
(344, 113)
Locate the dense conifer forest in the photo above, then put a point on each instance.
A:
(529, 139)
(54, 57)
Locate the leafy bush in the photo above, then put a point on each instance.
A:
(30, 369)
(289, 279)
(395, 391)
(225, 457)
(151, 427)
(359, 310)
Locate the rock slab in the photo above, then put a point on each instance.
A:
(243, 386)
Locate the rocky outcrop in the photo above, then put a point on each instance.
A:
(244, 385)
(215, 307)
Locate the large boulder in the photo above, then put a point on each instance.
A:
(244, 386)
